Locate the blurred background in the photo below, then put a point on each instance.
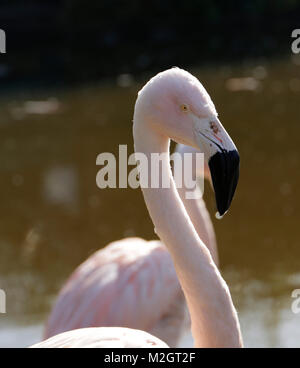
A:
(68, 83)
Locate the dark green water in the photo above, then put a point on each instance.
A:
(53, 215)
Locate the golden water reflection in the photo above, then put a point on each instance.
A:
(54, 216)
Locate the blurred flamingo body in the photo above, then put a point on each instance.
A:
(175, 105)
(130, 283)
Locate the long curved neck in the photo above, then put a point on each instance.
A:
(201, 220)
(213, 316)
(198, 213)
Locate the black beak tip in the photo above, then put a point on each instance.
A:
(224, 168)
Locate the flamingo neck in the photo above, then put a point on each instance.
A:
(200, 218)
(213, 316)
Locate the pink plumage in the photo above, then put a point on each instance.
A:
(130, 283)
(102, 337)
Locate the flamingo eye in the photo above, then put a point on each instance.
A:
(184, 107)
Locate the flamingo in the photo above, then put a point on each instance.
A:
(175, 105)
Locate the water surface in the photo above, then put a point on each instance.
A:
(54, 216)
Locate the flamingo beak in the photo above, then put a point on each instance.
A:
(224, 170)
(223, 160)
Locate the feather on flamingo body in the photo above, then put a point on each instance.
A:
(102, 337)
(130, 283)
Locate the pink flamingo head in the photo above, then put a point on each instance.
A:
(175, 104)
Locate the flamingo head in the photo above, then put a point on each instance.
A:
(177, 105)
